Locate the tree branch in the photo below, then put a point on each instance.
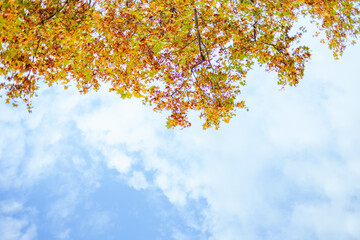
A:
(53, 15)
(184, 46)
(198, 34)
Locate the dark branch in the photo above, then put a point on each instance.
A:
(198, 34)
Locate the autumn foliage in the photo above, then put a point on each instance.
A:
(178, 55)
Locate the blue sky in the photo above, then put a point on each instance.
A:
(100, 167)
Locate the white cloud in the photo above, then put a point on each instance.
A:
(16, 229)
(9, 207)
(138, 181)
(118, 160)
(15, 223)
(176, 195)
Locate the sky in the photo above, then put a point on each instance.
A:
(96, 166)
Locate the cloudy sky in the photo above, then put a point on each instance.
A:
(100, 167)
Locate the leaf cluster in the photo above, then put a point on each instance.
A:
(176, 55)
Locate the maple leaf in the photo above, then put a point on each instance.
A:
(175, 55)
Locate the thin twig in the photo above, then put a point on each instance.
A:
(184, 46)
(274, 46)
(53, 15)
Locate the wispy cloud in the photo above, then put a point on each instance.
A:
(15, 221)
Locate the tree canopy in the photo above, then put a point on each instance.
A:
(176, 55)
